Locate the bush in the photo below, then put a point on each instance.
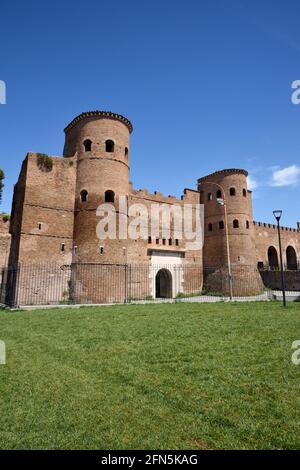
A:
(5, 217)
(44, 162)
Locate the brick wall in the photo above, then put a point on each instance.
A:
(266, 235)
(4, 242)
(43, 212)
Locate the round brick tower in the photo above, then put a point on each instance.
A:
(229, 185)
(100, 141)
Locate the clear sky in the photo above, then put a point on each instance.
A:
(206, 84)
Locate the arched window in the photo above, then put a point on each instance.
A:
(87, 145)
(126, 152)
(244, 192)
(291, 258)
(109, 146)
(210, 227)
(209, 197)
(84, 195)
(221, 225)
(247, 224)
(219, 194)
(232, 191)
(235, 223)
(273, 257)
(109, 196)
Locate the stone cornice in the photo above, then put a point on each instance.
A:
(102, 114)
(228, 171)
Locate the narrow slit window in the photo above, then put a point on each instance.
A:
(84, 195)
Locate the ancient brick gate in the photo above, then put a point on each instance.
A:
(88, 283)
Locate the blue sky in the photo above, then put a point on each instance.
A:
(206, 84)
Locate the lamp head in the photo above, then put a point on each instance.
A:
(277, 214)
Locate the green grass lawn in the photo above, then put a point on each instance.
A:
(166, 376)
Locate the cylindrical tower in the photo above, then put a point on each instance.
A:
(100, 140)
(229, 186)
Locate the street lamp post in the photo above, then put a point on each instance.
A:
(277, 215)
(222, 202)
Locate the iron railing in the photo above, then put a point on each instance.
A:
(89, 283)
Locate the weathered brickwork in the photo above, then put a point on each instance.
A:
(232, 185)
(266, 236)
(43, 212)
(4, 242)
(54, 221)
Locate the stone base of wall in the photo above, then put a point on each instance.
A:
(246, 281)
(272, 280)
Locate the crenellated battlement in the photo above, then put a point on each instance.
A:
(274, 227)
(189, 196)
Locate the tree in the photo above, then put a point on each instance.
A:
(1, 183)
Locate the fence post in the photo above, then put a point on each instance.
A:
(10, 288)
(125, 294)
(71, 284)
(3, 285)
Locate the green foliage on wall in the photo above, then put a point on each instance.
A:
(5, 217)
(44, 162)
(2, 176)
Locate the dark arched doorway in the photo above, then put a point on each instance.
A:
(163, 284)
(291, 258)
(273, 257)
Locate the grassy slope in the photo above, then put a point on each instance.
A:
(151, 376)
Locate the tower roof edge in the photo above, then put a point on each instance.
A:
(226, 171)
(102, 114)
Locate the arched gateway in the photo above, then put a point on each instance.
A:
(273, 258)
(163, 284)
(291, 258)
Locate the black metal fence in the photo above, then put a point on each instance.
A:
(88, 283)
